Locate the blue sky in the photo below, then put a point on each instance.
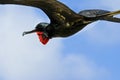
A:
(91, 54)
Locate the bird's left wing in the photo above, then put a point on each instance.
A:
(55, 10)
(93, 13)
(97, 14)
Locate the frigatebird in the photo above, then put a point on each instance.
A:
(64, 22)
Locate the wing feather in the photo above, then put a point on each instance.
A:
(93, 12)
(55, 10)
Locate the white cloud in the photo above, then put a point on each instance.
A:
(82, 68)
(24, 58)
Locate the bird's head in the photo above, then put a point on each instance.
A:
(41, 32)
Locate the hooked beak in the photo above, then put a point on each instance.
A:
(28, 32)
(43, 37)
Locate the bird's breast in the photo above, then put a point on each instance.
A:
(68, 30)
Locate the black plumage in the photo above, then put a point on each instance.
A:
(64, 21)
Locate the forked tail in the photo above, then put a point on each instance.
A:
(110, 16)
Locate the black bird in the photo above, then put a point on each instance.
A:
(64, 21)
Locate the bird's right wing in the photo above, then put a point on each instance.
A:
(113, 13)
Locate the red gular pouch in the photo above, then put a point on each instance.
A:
(42, 37)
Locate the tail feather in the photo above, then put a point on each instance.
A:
(112, 19)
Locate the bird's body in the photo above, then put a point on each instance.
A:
(64, 21)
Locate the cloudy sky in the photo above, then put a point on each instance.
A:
(91, 54)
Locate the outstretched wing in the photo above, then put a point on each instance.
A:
(56, 11)
(93, 12)
(101, 15)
